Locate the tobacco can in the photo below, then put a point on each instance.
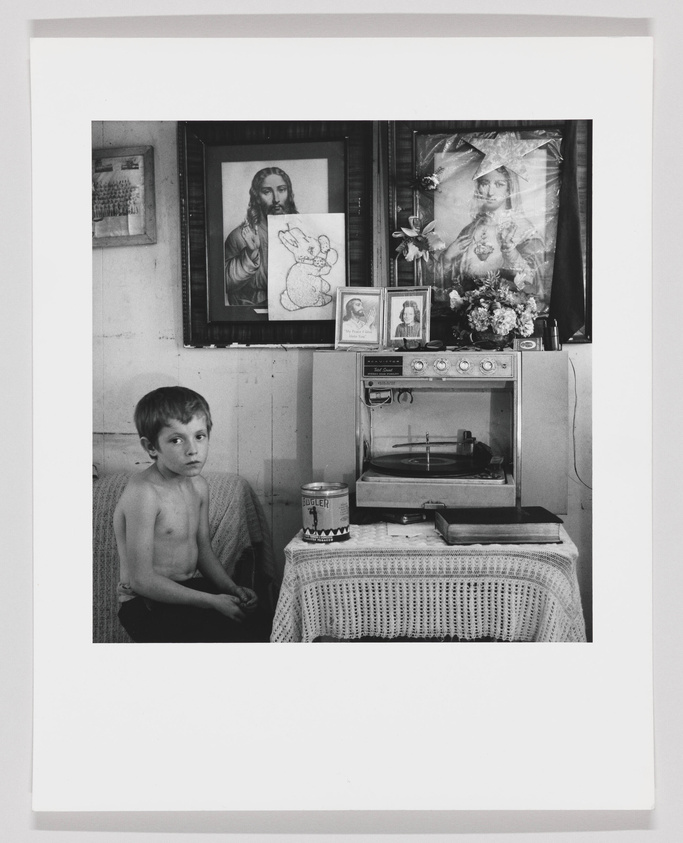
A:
(325, 512)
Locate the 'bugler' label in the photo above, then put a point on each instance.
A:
(325, 512)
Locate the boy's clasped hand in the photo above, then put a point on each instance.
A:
(237, 606)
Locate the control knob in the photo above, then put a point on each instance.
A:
(464, 365)
(441, 365)
(487, 365)
(417, 365)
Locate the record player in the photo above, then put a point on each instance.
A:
(438, 429)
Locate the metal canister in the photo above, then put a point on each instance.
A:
(325, 512)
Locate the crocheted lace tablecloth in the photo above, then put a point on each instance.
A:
(386, 586)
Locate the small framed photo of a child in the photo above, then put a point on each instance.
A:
(359, 317)
(407, 316)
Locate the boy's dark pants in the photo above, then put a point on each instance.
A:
(149, 621)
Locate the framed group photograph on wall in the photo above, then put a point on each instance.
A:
(504, 198)
(275, 218)
(123, 200)
(360, 317)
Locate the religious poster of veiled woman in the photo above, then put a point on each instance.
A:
(495, 209)
(495, 214)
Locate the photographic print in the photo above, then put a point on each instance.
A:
(407, 316)
(359, 317)
(268, 405)
(123, 204)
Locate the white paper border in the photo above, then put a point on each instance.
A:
(408, 727)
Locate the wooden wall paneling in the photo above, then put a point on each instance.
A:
(334, 417)
(215, 374)
(545, 430)
(253, 436)
(98, 452)
(291, 437)
(121, 452)
(98, 383)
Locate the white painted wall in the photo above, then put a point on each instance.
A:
(260, 398)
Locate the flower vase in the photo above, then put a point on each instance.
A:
(490, 339)
(418, 273)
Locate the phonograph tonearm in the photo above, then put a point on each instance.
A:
(468, 458)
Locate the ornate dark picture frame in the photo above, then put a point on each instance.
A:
(413, 178)
(203, 147)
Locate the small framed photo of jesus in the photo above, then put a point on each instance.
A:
(359, 317)
(407, 316)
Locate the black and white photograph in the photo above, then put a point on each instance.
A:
(194, 542)
(304, 439)
(123, 197)
(359, 313)
(407, 316)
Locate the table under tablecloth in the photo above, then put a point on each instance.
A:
(380, 585)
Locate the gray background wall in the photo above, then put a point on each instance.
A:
(665, 22)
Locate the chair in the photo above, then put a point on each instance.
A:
(240, 537)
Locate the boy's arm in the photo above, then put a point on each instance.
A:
(140, 510)
(207, 561)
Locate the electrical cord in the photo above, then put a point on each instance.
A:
(576, 403)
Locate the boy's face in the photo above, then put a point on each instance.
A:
(181, 449)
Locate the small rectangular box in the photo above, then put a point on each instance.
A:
(528, 344)
(498, 525)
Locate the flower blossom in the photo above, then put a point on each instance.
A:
(503, 320)
(418, 242)
(479, 318)
(429, 182)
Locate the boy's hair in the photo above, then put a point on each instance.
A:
(156, 409)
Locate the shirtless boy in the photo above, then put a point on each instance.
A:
(162, 532)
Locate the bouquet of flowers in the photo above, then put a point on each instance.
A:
(498, 307)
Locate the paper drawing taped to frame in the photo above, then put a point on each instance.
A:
(306, 265)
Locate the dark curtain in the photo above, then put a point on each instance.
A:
(567, 294)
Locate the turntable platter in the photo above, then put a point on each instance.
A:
(418, 465)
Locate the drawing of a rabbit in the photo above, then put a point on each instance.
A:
(314, 258)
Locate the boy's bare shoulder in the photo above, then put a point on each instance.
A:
(201, 486)
(140, 489)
